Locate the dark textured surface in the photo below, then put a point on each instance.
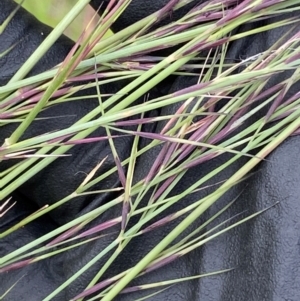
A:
(265, 252)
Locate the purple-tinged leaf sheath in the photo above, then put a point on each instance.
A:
(16, 265)
(156, 165)
(100, 227)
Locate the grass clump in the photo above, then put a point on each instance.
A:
(196, 133)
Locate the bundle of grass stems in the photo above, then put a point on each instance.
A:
(198, 48)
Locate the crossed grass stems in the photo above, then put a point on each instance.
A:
(185, 143)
